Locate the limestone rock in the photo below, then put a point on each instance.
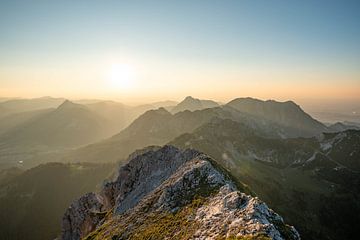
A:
(168, 193)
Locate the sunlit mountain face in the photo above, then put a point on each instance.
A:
(216, 120)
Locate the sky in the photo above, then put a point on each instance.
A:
(135, 51)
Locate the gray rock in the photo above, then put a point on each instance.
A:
(165, 180)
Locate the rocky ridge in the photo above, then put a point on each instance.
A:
(168, 193)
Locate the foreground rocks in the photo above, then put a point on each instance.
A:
(168, 193)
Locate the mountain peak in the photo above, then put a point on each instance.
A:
(259, 101)
(162, 110)
(167, 185)
(190, 98)
(287, 113)
(246, 99)
(291, 103)
(67, 104)
(154, 112)
(192, 104)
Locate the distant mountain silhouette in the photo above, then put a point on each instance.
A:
(192, 104)
(339, 126)
(70, 125)
(154, 127)
(22, 105)
(285, 113)
(157, 127)
(274, 147)
(117, 114)
(165, 104)
(30, 136)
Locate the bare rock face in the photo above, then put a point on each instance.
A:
(240, 215)
(168, 193)
(82, 217)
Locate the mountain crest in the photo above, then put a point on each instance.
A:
(190, 99)
(164, 188)
(193, 104)
(287, 113)
(67, 104)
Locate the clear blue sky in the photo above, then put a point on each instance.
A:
(315, 36)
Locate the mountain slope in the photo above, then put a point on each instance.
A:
(240, 141)
(39, 137)
(339, 126)
(192, 104)
(167, 193)
(155, 127)
(118, 115)
(4, 111)
(316, 180)
(13, 120)
(285, 113)
(165, 104)
(23, 105)
(343, 148)
(68, 125)
(32, 202)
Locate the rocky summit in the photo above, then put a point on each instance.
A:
(168, 193)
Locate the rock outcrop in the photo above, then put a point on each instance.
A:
(168, 193)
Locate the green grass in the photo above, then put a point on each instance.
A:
(155, 226)
(259, 236)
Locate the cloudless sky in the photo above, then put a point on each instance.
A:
(280, 49)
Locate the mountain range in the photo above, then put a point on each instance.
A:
(316, 180)
(157, 127)
(24, 105)
(305, 170)
(40, 128)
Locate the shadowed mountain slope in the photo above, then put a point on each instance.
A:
(32, 202)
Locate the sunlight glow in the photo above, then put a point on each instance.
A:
(121, 77)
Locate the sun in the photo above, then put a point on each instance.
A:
(121, 76)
